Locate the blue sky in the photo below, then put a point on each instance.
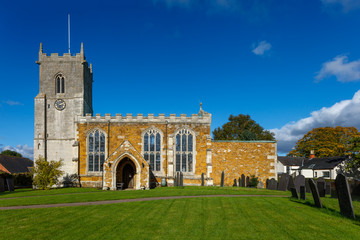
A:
(291, 65)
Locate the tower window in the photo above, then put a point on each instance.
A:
(60, 84)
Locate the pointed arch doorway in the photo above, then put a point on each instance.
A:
(126, 173)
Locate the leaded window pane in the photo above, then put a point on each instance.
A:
(96, 162)
(183, 143)
(177, 162)
(158, 142)
(102, 159)
(190, 143)
(97, 141)
(91, 142)
(152, 161)
(62, 85)
(152, 142)
(58, 85)
(178, 142)
(190, 162)
(183, 162)
(146, 157)
(158, 162)
(102, 142)
(146, 142)
(91, 162)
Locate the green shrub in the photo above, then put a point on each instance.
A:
(253, 182)
(46, 174)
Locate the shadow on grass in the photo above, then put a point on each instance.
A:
(326, 209)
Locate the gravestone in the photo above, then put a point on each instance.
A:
(299, 181)
(321, 186)
(176, 179)
(247, 181)
(307, 186)
(291, 183)
(283, 182)
(267, 183)
(260, 184)
(315, 193)
(272, 184)
(344, 197)
(235, 183)
(222, 179)
(239, 182)
(328, 188)
(2, 185)
(181, 179)
(242, 180)
(202, 179)
(10, 184)
(302, 193)
(294, 193)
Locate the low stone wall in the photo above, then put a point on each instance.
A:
(243, 157)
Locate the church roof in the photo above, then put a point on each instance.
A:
(13, 164)
(292, 161)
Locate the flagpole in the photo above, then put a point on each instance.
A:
(69, 30)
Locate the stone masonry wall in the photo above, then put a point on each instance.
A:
(248, 158)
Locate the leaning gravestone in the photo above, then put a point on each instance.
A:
(321, 186)
(344, 197)
(235, 183)
(242, 180)
(283, 182)
(294, 193)
(10, 184)
(328, 188)
(267, 183)
(291, 183)
(2, 185)
(299, 181)
(315, 193)
(302, 193)
(307, 186)
(272, 184)
(202, 179)
(222, 179)
(239, 182)
(247, 181)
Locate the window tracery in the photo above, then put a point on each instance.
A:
(184, 151)
(96, 151)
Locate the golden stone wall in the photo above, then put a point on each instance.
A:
(248, 158)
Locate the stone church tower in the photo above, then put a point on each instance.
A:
(65, 92)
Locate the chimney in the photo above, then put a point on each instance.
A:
(312, 154)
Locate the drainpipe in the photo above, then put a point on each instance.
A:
(166, 149)
(108, 141)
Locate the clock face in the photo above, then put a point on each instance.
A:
(60, 104)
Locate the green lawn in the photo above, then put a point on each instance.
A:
(196, 218)
(68, 195)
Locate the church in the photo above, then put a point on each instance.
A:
(135, 152)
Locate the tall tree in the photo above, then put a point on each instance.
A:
(326, 142)
(242, 127)
(11, 153)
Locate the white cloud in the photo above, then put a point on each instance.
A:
(12, 103)
(345, 113)
(261, 48)
(346, 5)
(24, 150)
(341, 68)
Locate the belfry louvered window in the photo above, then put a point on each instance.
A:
(60, 84)
(96, 151)
(184, 155)
(152, 149)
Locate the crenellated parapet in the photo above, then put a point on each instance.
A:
(140, 118)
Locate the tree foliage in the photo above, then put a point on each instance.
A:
(242, 127)
(46, 174)
(11, 153)
(326, 142)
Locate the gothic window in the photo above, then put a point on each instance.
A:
(152, 149)
(96, 151)
(184, 151)
(60, 84)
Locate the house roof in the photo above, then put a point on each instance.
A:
(292, 161)
(324, 163)
(16, 164)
